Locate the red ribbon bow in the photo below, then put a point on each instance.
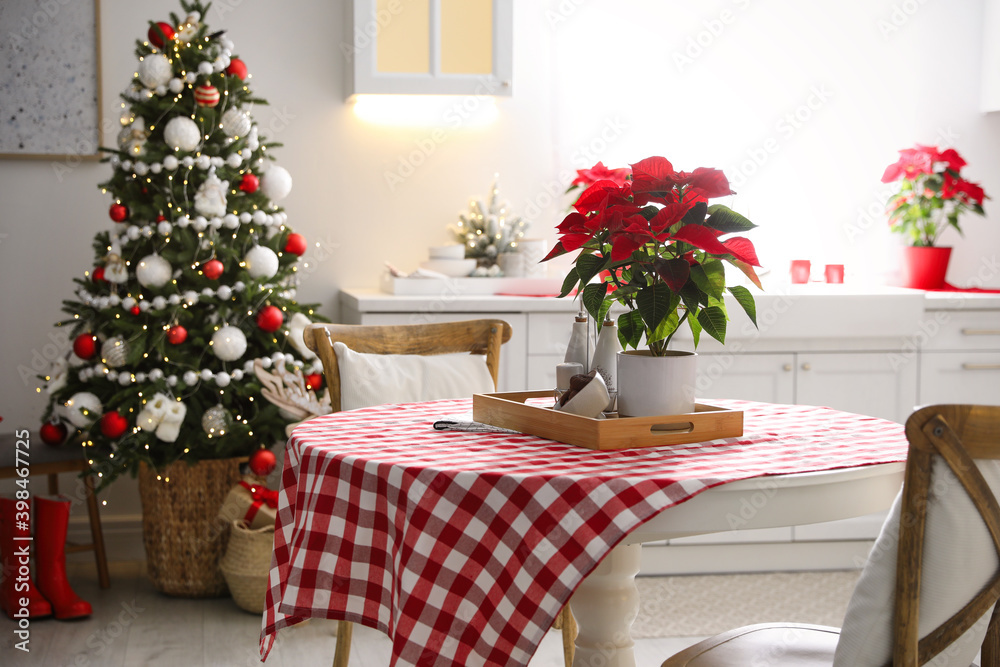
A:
(261, 495)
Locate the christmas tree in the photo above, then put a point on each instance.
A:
(195, 281)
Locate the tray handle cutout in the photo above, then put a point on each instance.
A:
(672, 428)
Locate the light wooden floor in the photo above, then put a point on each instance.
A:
(133, 625)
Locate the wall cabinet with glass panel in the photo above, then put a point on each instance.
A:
(429, 47)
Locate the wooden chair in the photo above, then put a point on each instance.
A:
(473, 336)
(45, 460)
(957, 434)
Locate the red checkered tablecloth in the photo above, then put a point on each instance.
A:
(463, 547)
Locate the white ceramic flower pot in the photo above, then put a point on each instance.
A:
(649, 386)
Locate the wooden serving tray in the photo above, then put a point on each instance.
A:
(508, 410)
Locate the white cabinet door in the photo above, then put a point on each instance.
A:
(960, 377)
(868, 383)
(768, 378)
(512, 354)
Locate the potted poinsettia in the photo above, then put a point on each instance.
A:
(652, 242)
(932, 195)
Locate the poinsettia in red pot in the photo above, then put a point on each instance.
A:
(932, 194)
(648, 240)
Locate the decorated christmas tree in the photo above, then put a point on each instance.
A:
(195, 281)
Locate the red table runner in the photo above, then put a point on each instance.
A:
(463, 547)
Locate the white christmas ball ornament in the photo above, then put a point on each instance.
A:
(170, 163)
(229, 343)
(82, 409)
(205, 68)
(235, 122)
(234, 160)
(276, 183)
(190, 377)
(222, 379)
(155, 70)
(175, 85)
(115, 351)
(153, 271)
(261, 262)
(182, 133)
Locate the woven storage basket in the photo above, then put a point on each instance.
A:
(184, 541)
(247, 563)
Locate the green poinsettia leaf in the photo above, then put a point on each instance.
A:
(695, 327)
(570, 282)
(696, 216)
(588, 266)
(630, 329)
(713, 320)
(654, 303)
(723, 219)
(710, 277)
(593, 298)
(745, 299)
(665, 329)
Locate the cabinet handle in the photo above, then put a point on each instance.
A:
(981, 367)
(807, 366)
(787, 368)
(981, 332)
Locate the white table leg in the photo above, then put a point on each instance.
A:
(605, 605)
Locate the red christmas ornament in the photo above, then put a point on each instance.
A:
(270, 318)
(53, 433)
(206, 95)
(314, 381)
(296, 244)
(262, 462)
(249, 183)
(118, 212)
(154, 35)
(160, 218)
(86, 346)
(113, 425)
(176, 334)
(237, 68)
(212, 269)
(98, 275)
(135, 310)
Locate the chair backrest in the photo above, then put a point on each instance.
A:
(472, 336)
(958, 434)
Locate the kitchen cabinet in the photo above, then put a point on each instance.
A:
(429, 47)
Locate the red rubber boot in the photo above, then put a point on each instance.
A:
(16, 581)
(51, 523)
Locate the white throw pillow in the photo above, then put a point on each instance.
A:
(377, 379)
(959, 559)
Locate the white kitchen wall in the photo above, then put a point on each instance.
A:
(802, 104)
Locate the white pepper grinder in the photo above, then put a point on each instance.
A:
(606, 358)
(581, 343)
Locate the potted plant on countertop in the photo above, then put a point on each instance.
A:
(932, 194)
(656, 246)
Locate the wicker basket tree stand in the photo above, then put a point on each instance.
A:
(184, 540)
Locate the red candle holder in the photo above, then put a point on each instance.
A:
(834, 273)
(801, 268)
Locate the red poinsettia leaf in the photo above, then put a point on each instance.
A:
(742, 249)
(596, 196)
(701, 237)
(654, 174)
(555, 252)
(574, 241)
(954, 160)
(574, 222)
(674, 272)
(709, 182)
(669, 215)
(748, 272)
(622, 247)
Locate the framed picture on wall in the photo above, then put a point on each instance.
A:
(50, 79)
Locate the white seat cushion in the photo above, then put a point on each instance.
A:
(377, 379)
(959, 559)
